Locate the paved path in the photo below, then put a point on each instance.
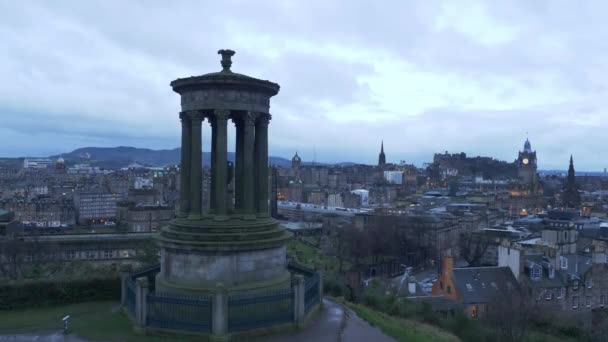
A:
(335, 324)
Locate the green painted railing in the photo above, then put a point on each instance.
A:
(169, 311)
(260, 309)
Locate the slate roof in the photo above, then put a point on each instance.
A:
(483, 284)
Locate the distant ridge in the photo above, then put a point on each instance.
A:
(121, 156)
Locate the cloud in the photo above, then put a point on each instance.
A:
(424, 76)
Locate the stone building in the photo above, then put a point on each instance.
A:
(143, 217)
(96, 207)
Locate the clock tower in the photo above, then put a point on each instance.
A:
(526, 165)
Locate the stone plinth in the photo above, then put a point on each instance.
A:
(242, 254)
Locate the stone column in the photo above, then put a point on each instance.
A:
(196, 176)
(238, 177)
(219, 319)
(184, 194)
(212, 167)
(261, 161)
(248, 169)
(221, 162)
(299, 305)
(141, 292)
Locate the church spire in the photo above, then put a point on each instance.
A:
(571, 197)
(382, 156)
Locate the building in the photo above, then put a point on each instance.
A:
(394, 177)
(526, 165)
(476, 288)
(96, 207)
(143, 218)
(571, 198)
(382, 156)
(37, 163)
(363, 196)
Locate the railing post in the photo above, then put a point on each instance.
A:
(219, 316)
(123, 288)
(141, 292)
(320, 289)
(299, 304)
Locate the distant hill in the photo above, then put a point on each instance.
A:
(121, 156)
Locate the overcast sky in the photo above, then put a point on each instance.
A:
(424, 76)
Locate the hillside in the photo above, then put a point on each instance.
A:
(112, 157)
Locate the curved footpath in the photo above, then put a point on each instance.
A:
(335, 323)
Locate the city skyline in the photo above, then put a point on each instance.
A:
(416, 75)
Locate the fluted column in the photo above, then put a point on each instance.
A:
(248, 170)
(221, 162)
(196, 176)
(261, 158)
(238, 179)
(212, 167)
(184, 193)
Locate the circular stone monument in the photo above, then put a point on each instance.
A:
(235, 243)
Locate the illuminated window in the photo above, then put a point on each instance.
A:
(474, 311)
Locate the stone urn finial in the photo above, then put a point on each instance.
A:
(226, 61)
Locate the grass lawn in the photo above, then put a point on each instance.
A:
(97, 321)
(313, 257)
(402, 329)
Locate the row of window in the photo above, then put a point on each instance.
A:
(576, 301)
(87, 255)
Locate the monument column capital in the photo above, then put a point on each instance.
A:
(263, 119)
(221, 114)
(249, 118)
(195, 115)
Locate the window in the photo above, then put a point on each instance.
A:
(562, 293)
(549, 295)
(602, 300)
(449, 289)
(551, 272)
(71, 255)
(563, 263)
(441, 284)
(588, 301)
(108, 254)
(589, 283)
(535, 273)
(473, 311)
(574, 302)
(575, 285)
(91, 254)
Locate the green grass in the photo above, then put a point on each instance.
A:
(313, 257)
(402, 329)
(96, 321)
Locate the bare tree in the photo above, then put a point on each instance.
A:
(510, 313)
(473, 247)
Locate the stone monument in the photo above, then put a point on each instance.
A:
(236, 244)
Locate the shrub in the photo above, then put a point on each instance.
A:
(27, 294)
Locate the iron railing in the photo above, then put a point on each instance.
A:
(169, 311)
(311, 292)
(257, 310)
